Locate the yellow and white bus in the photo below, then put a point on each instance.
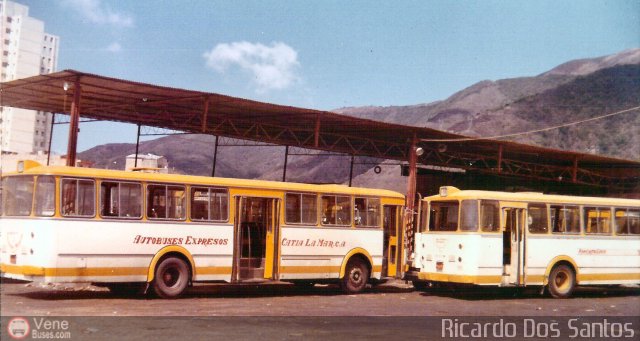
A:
(526, 239)
(127, 230)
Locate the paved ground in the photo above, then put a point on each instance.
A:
(307, 313)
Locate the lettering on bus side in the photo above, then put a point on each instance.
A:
(314, 243)
(188, 240)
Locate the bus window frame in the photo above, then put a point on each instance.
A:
(599, 209)
(626, 210)
(62, 202)
(209, 188)
(335, 203)
(477, 202)
(149, 202)
(300, 194)
(548, 226)
(496, 205)
(457, 229)
(119, 182)
(6, 197)
(562, 208)
(379, 212)
(35, 195)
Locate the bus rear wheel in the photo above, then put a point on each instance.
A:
(562, 281)
(171, 278)
(355, 277)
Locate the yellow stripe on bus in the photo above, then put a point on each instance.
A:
(317, 269)
(309, 269)
(438, 277)
(608, 277)
(66, 272)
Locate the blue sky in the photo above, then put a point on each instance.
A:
(326, 54)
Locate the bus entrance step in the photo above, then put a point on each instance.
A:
(248, 273)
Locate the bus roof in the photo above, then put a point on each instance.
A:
(34, 168)
(455, 193)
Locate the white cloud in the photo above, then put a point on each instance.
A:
(271, 67)
(114, 47)
(95, 12)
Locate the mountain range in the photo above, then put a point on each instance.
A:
(576, 91)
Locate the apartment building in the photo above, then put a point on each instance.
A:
(26, 50)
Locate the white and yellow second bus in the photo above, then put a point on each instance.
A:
(526, 239)
(129, 230)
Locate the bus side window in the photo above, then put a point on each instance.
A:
(627, 221)
(597, 220)
(336, 210)
(489, 216)
(634, 221)
(537, 220)
(367, 212)
(209, 204)
(78, 198)
(293, 207)
(156, 202)
(120, 199)
(565, 219)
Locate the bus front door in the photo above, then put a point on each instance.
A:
(256, 236)
(513, 240)
(392, 242)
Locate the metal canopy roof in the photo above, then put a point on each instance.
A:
(111, 99)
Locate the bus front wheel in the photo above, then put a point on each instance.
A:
(171, 278)
(562, 281)
(355, 277)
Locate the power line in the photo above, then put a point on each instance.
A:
(464, 139)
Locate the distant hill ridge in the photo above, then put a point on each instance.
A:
(570, 92)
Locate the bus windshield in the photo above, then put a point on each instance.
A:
(444, 216)
(18, 195)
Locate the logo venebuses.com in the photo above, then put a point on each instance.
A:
(39, 328)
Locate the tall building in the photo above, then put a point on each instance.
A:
(27, 50)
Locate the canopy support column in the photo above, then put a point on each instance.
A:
(53, 121)
(72, 143)
(135, 163)
(205, 111)
(286, 160)
(351, 170)
(316, 133)
(411, 196)
(500, 159)
(215, 156)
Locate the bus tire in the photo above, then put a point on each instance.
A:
(171, 278)
(562, 281)
(356, 276)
